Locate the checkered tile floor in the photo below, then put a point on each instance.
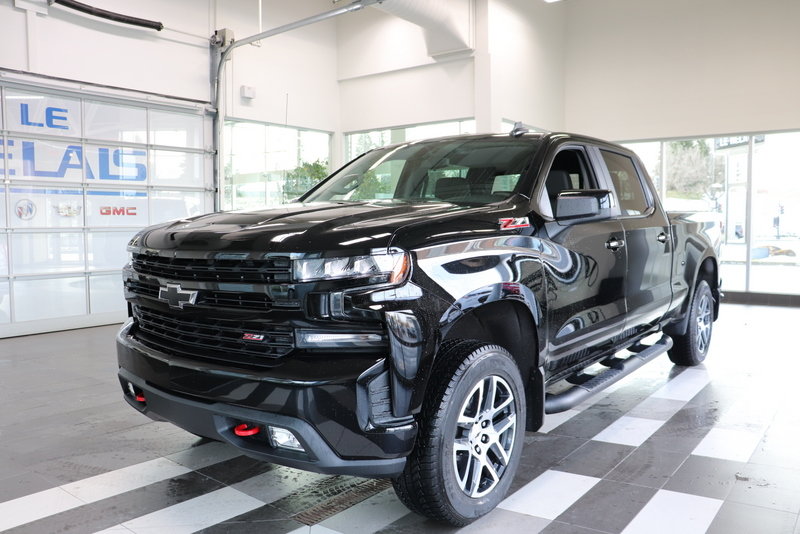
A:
(669, 449)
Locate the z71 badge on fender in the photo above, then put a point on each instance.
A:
(511, 223)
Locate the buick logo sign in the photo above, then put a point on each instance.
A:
(175, 296)
(25, 209)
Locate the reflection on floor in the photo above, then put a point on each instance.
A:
(669, 449)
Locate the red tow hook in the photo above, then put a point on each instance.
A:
(140, 398)
(244, 430)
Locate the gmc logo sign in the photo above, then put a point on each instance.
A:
(109, 210)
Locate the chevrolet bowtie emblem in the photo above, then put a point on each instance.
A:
(175, 296)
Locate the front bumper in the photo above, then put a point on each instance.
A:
(333, 419)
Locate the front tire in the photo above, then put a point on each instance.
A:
(691, 348)
(471, 433)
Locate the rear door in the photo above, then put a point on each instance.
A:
(648, 241)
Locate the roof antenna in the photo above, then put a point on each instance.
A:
(518, 129)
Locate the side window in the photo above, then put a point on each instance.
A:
(627, 182)
(569, 171)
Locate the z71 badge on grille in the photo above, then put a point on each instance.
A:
(511, 223)
(175, 296)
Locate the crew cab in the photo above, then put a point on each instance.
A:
(416, 312)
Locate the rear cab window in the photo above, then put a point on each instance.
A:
(632, 197)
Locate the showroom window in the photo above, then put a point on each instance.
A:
(752, 184)
(268, 165)
(357, 143)
(80, 176)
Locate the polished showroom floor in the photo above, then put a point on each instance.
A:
(669, 449)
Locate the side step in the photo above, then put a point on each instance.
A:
(617, 370)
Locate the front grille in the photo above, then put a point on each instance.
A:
(212, 339)
(266, 271)
(224, 299)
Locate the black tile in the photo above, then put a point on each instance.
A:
(415, 524)
(608, 507)
(648, 466)
(706, 477)
(589, 422)
(559, 527)
(594, 459)
(23, 484)
(540, 453)
(265, 519)
(236, 470)
(738, 517)
(766, 486)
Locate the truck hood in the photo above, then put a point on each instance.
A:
(348, 227)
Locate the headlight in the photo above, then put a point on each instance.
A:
(391, 267)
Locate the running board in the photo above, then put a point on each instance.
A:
(617, 370)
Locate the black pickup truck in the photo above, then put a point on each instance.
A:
(417, 311)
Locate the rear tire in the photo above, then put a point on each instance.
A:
(471, 433)
(691, 348)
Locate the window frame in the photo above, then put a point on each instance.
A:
(596, 173)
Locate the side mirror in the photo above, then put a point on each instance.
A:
(583, 204)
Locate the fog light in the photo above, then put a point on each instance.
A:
(284, 439)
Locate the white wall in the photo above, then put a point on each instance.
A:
(301, 64)
(620, 69)
(64, 43)
(371, 42)
(526, 46)
(645, 69)
(387, 79)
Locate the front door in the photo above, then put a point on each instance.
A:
(585, 275)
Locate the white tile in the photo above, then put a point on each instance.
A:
(728, 444)
(36, 506)
(656, 408)
(551, 421)
(56, 500)
(669, 512)
(368, 516)
(749, 413)
(195, 514)
(684, 386)
(549, 494)
(129, 478)
(629, 431)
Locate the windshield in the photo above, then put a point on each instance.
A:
(461, 171)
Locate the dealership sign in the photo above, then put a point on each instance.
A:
(69, 161)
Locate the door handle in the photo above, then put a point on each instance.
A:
(615, 244)
(662, 237)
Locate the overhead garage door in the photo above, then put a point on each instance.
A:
(82, 173)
